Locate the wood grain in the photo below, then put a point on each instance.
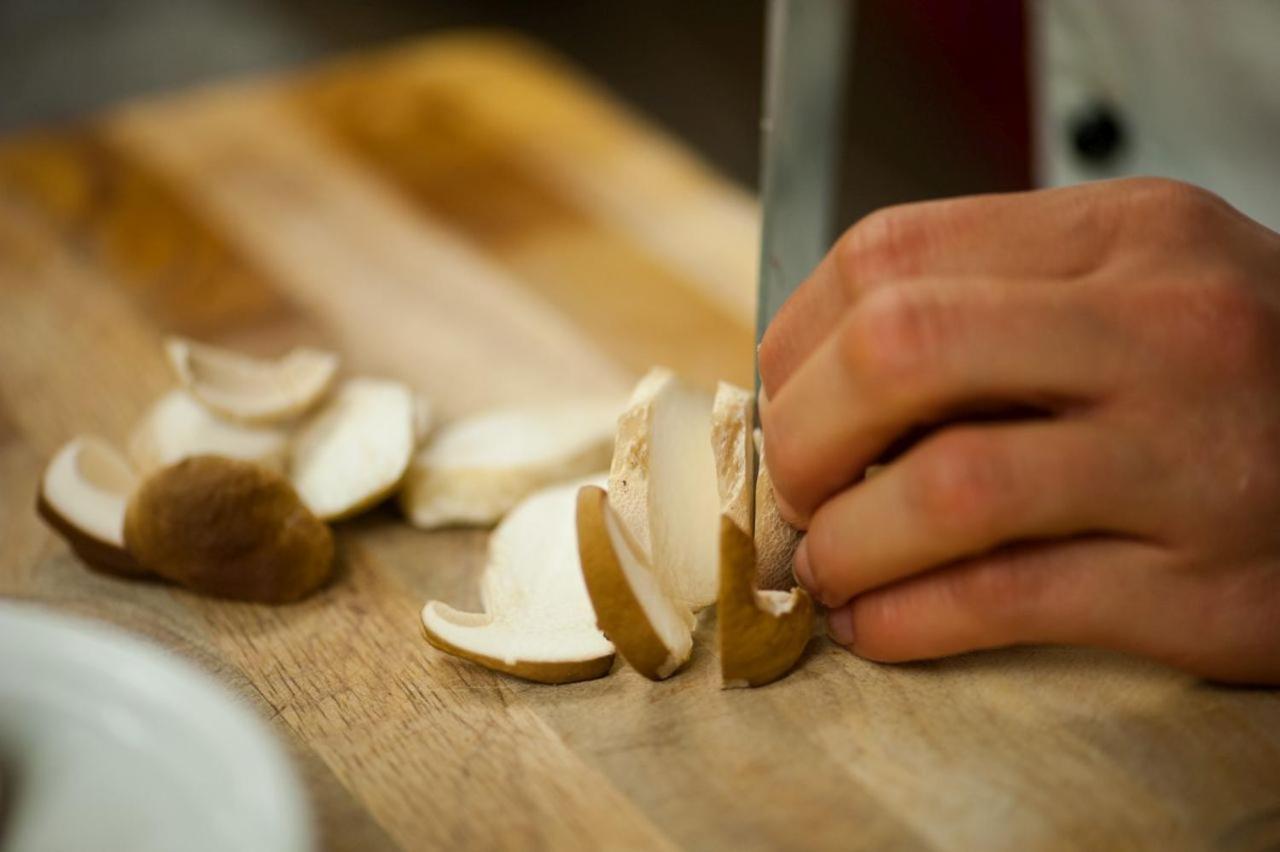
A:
(422, 135)
(399, 292)
(468, 214)
(185, 276)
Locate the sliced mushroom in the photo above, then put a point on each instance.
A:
(537, 621)
(83, 495)
(228, 528)
(177, 427)
(775, 539)
(476, 468)
(663, 483)
(761, 634)
(636, 597)
(634, 607)
(354, 451)
(252, 390)
(732, 441)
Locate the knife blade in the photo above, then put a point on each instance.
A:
(806, 47)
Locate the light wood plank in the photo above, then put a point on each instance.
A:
(401, 294)
(550, 121)
(130, 221)
(431, 141)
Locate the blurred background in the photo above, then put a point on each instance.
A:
(937, 101)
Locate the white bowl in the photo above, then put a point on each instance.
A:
(111, 743)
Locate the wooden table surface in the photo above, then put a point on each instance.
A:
(468, 214)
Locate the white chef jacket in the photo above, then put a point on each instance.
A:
(1192, 88)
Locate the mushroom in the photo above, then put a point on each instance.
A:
(228, 528)
(691, 458)
(178, 426)
(83, 495)
(634, 605)
(760, 634)
(354, 451)
(476, 468)
(663, 483)
(252, 390)
(537, 622)
(775, 539)
(636, 594)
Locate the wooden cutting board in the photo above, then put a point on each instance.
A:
(468, 214)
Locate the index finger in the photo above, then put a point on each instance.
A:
(1045, 234)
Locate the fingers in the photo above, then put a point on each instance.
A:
(966, 491)
(804, 321)
(916, 354)
(1041, 235)
(1088, 591)
(1106, 592)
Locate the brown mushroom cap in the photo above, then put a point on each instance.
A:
(761, 634)
(228, 528)
(652, 631)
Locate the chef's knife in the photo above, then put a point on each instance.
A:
(807, 46)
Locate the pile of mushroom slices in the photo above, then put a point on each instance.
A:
(623, 562)
(229, 480)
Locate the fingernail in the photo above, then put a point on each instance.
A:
(840, 625)
(801, 568)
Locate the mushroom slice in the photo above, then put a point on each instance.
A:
(83, 495)
(775, 539)
(663, 483)
(252, 390)
(633, 606)
(228, 528)
(636, 597)
(354, 451)
(476, 468)
(761, 634)
(732, 441)
(537, 622)
(177, 427)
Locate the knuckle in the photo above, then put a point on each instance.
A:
(770, 361)
(1179, 205)
(881, 245)
(1226, 301)
(893, 335)
(960, 484)
(990, 587)
(1226, 321)
(1007, 588)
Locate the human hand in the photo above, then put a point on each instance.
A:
(1137, 509)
